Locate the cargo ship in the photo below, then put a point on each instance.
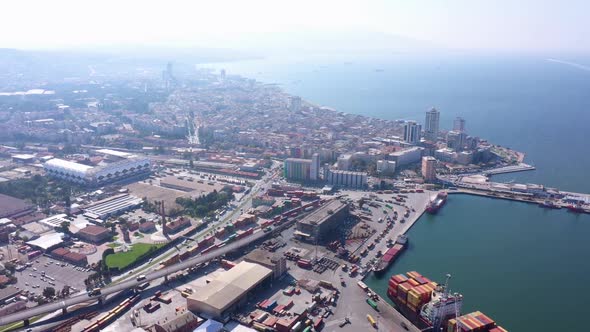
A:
(432, 307)
(437, 203)
(391, 254)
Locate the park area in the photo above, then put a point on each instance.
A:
(121, 260)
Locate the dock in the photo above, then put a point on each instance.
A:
(521, 167)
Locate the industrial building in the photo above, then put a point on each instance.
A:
(111, 206)
(115, 167)
(348, 179)
(227, 291)
(319, 223)
(47, 241)
(277, 263)
(302, 169)
(54, 221)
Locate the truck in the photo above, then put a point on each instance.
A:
(372, 321)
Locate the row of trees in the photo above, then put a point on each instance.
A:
(207, 204)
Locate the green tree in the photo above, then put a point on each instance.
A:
(49, 292)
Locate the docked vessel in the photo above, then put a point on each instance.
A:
(391, 254)
(577, 208)
(437, 203)
(549, 205)
(432, 307)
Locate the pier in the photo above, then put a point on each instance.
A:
(521, 167)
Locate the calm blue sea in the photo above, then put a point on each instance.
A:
(524, 266)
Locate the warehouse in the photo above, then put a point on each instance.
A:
(111, 206)
(103, 173)
(320, 222)
(228, 290)
(47, 241)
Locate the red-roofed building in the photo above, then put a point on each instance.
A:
(94, 233)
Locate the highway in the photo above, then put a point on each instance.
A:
(51, 307)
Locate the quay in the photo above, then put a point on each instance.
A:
(521, 167)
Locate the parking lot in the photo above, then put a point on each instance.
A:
(48, 272)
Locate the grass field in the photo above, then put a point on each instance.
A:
(123, 259)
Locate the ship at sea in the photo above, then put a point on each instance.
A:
(391, 254)
(437, 203)
(432, 307)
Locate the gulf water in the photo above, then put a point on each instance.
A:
(524, 266)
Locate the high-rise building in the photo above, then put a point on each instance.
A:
(412, 132)
(222, 74)
(456, 140)
(428, 168)
(459, 124)
(431, 124)
(295, 104)
(314, 171)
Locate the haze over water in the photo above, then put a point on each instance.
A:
(524, 266)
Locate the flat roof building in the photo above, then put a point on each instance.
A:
(320, 222)
(12, 207)
(228, 290)
(94, 233)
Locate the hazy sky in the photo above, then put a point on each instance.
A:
(504, 25)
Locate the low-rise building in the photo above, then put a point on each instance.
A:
(94, 233)
(229, 290)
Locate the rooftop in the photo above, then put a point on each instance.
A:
(320, 215)
(228, 287)
(69, 165)
(93, 230)
(115, 153)
(47, 241)
(10, 205)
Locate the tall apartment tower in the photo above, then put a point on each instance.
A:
(431, 124)
(295, 104)
(459, 124)
(412, 132)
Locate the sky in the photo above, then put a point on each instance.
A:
(500, 25)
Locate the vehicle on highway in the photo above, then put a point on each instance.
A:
(94, 292)
(141, 277)
(403, 324)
